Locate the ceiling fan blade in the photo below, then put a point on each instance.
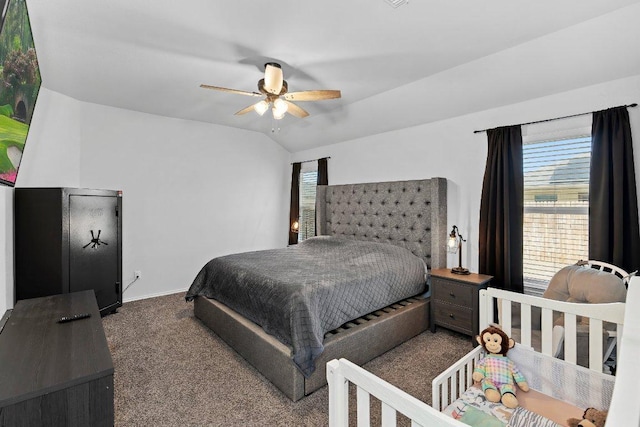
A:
(312, 95)
(245, 110)
(294, 110)
(224, 89)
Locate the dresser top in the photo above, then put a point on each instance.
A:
(38, 355)
(472, 278)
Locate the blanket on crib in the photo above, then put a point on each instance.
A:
(301, 292)
(474, 409)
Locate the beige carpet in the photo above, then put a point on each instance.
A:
(170, 370)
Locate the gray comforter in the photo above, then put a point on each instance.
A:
(301, 292)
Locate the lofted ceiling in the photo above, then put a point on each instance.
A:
(425, 61)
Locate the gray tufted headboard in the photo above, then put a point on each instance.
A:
(411, 214)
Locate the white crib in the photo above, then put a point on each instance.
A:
(448, 386)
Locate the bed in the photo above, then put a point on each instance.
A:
(398, 216)
(553, 378)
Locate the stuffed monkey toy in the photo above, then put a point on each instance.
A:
(495, 371)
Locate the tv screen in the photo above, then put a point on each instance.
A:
(19, 85)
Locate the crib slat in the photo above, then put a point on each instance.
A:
(595, 345)
(454, 387)
(363, 405)
(619, 330)
(506, 316)
(525, 321)
(445, 394)
(388, 415)
(547, 326)
(570, 338)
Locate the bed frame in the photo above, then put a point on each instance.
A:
(411, 214)
(448, 386)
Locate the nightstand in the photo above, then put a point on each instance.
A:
(454, 300)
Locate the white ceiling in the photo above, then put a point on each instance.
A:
(421, 62)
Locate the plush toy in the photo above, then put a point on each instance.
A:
(591, 418)
(495, 371)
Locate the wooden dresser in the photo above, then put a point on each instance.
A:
(454, 300)
(55, 374)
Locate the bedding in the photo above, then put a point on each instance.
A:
(301, 292)
(535, 410)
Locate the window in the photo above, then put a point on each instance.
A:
(556, 207)
(307, 218)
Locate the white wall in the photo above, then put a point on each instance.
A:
(192, 191)
(450, 149)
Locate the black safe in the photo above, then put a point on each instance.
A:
(68, 240)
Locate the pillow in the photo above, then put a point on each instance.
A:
(576, 283)
(580, 284)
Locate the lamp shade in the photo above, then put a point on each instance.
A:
(280, 107)
(261, 107)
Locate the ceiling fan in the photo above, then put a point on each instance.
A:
(274, 89)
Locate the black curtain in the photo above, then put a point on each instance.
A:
(294, 211)
(323, 179)
(323, 174)
(501, 209)
(614, 235)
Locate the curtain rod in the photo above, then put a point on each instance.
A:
(556, 118)
(307, 161)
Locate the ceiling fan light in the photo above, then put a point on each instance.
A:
(281, 106)
(278, 115)
(261, 107)
(273, 78)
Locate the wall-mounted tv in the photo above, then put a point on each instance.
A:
(19, 86)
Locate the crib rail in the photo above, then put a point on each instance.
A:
(341, 372)
(450, 384)
(597, 314)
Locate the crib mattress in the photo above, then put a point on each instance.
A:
(535, 408)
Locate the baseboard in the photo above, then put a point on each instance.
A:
(159, 294)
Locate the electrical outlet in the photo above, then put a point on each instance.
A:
(137, 274)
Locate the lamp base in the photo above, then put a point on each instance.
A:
(460, 270)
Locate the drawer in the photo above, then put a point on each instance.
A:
(454, 317)
(453, 292)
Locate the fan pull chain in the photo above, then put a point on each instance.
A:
(274, 126)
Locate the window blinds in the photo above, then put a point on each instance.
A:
(556, 208)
